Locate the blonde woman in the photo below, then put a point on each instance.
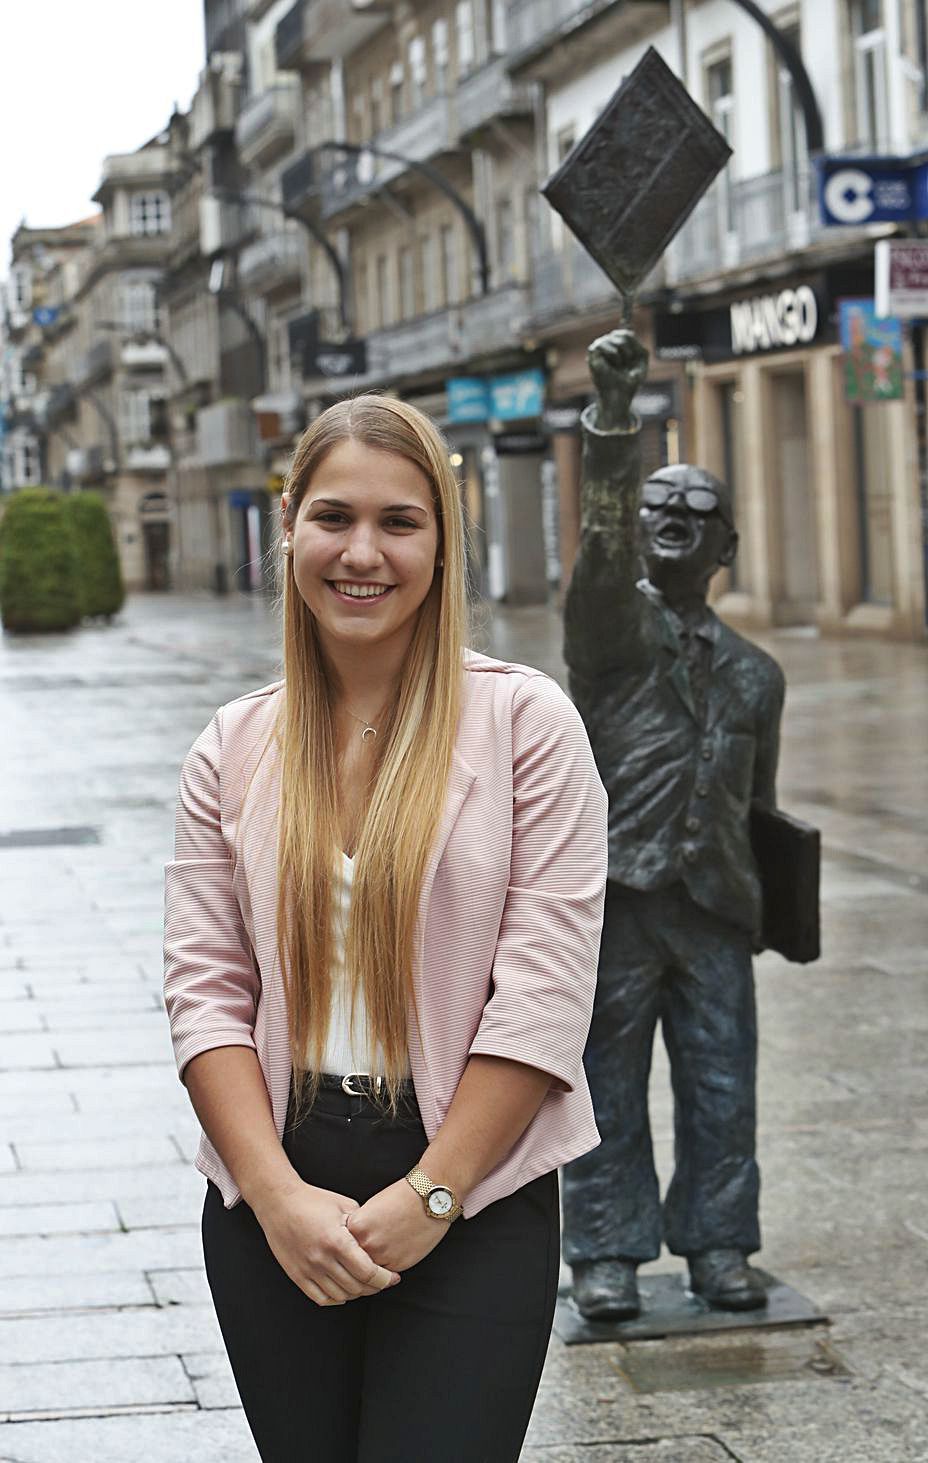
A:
(382, 928)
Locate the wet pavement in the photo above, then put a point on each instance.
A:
(108, 1346)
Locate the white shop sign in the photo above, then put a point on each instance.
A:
(901, 278)
(770, 322)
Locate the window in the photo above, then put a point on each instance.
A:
(871, 103)
(431, 281)
(140, 305)
(29, 464)
(135, 417)
(396, 91)
(360, 296)
(149, 213)
(464, 28)
(382, 302)
(440, 55)
(505, 240)
(407, 284)
(720, 94)
(498, 22)
(448, 250)
(418, 71)
(377, 112)
(790, 132)
(563, 142)
(21, 287)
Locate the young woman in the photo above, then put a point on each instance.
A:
(382, 928)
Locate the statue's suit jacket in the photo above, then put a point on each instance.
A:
(510, 911)
(680, 785)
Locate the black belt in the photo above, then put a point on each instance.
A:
(362, 1084)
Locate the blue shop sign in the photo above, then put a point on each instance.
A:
(502, 398)
(520, 395)
(240, 498)
(45, 314)
(872, 190)
(468, 399)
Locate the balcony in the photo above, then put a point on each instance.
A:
(215, 103)
(299, 184)
(85, 464)
(567, 281)
(536, 29)
(225, 433)
(447, 338)
(266, 125)
(225, 223)
(351, 178)
(148, 457)
(488, 95)
(428, 343)
(742, 222)
(95, 364)
(143, 355)
(317, 32)
(271, 263)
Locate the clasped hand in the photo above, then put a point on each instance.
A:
(336, 1250)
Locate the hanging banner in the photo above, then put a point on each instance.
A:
(872, 353)
(901, 278)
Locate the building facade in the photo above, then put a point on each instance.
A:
(353, 203)
(742, 315)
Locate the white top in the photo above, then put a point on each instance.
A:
(346, 1047)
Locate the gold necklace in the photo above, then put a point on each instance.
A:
(369, 731)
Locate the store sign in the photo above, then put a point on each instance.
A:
(500, 398)
(901, 278)
(335, 358)
(45, 314)
(872, 190)
(769, 322)
(521, 394)
(468, 399)
(872, 353)
(654, 403)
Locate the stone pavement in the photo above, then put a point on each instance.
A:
(108, 1347)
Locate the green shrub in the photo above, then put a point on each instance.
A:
(38, 564)
(100, 585)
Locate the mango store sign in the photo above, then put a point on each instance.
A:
(774, 321)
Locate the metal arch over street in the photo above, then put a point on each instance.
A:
(474, 226)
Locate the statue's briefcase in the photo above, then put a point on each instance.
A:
(788, 854)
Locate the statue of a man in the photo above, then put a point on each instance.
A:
(683, 715)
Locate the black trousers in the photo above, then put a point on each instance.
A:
(663, 958)
(444, 1365)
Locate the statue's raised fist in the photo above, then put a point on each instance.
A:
(618, 365)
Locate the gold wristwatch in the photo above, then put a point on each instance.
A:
(438, 1200)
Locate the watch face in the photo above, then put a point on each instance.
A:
(441, 1202)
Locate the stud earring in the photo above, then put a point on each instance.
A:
(287, 547)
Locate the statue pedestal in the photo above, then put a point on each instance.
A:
(669, 1309)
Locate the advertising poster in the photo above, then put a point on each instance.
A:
(872, 353)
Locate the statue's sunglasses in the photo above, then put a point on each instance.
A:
(656, 495)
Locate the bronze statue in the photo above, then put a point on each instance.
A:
(683, 715)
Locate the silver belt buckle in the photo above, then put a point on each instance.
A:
(353, 1077)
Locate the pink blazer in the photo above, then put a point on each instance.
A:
(509, 924)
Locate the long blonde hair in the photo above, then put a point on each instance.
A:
(408, 788)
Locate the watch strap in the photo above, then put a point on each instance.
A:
(418, 1179)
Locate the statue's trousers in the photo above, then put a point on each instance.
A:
(664, 959)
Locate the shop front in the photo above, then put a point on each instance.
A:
(824, 480)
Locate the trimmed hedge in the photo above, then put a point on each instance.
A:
(39, 584)
(100, 589)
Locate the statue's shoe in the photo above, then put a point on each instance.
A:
(725, 1281)
(606, 1290)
